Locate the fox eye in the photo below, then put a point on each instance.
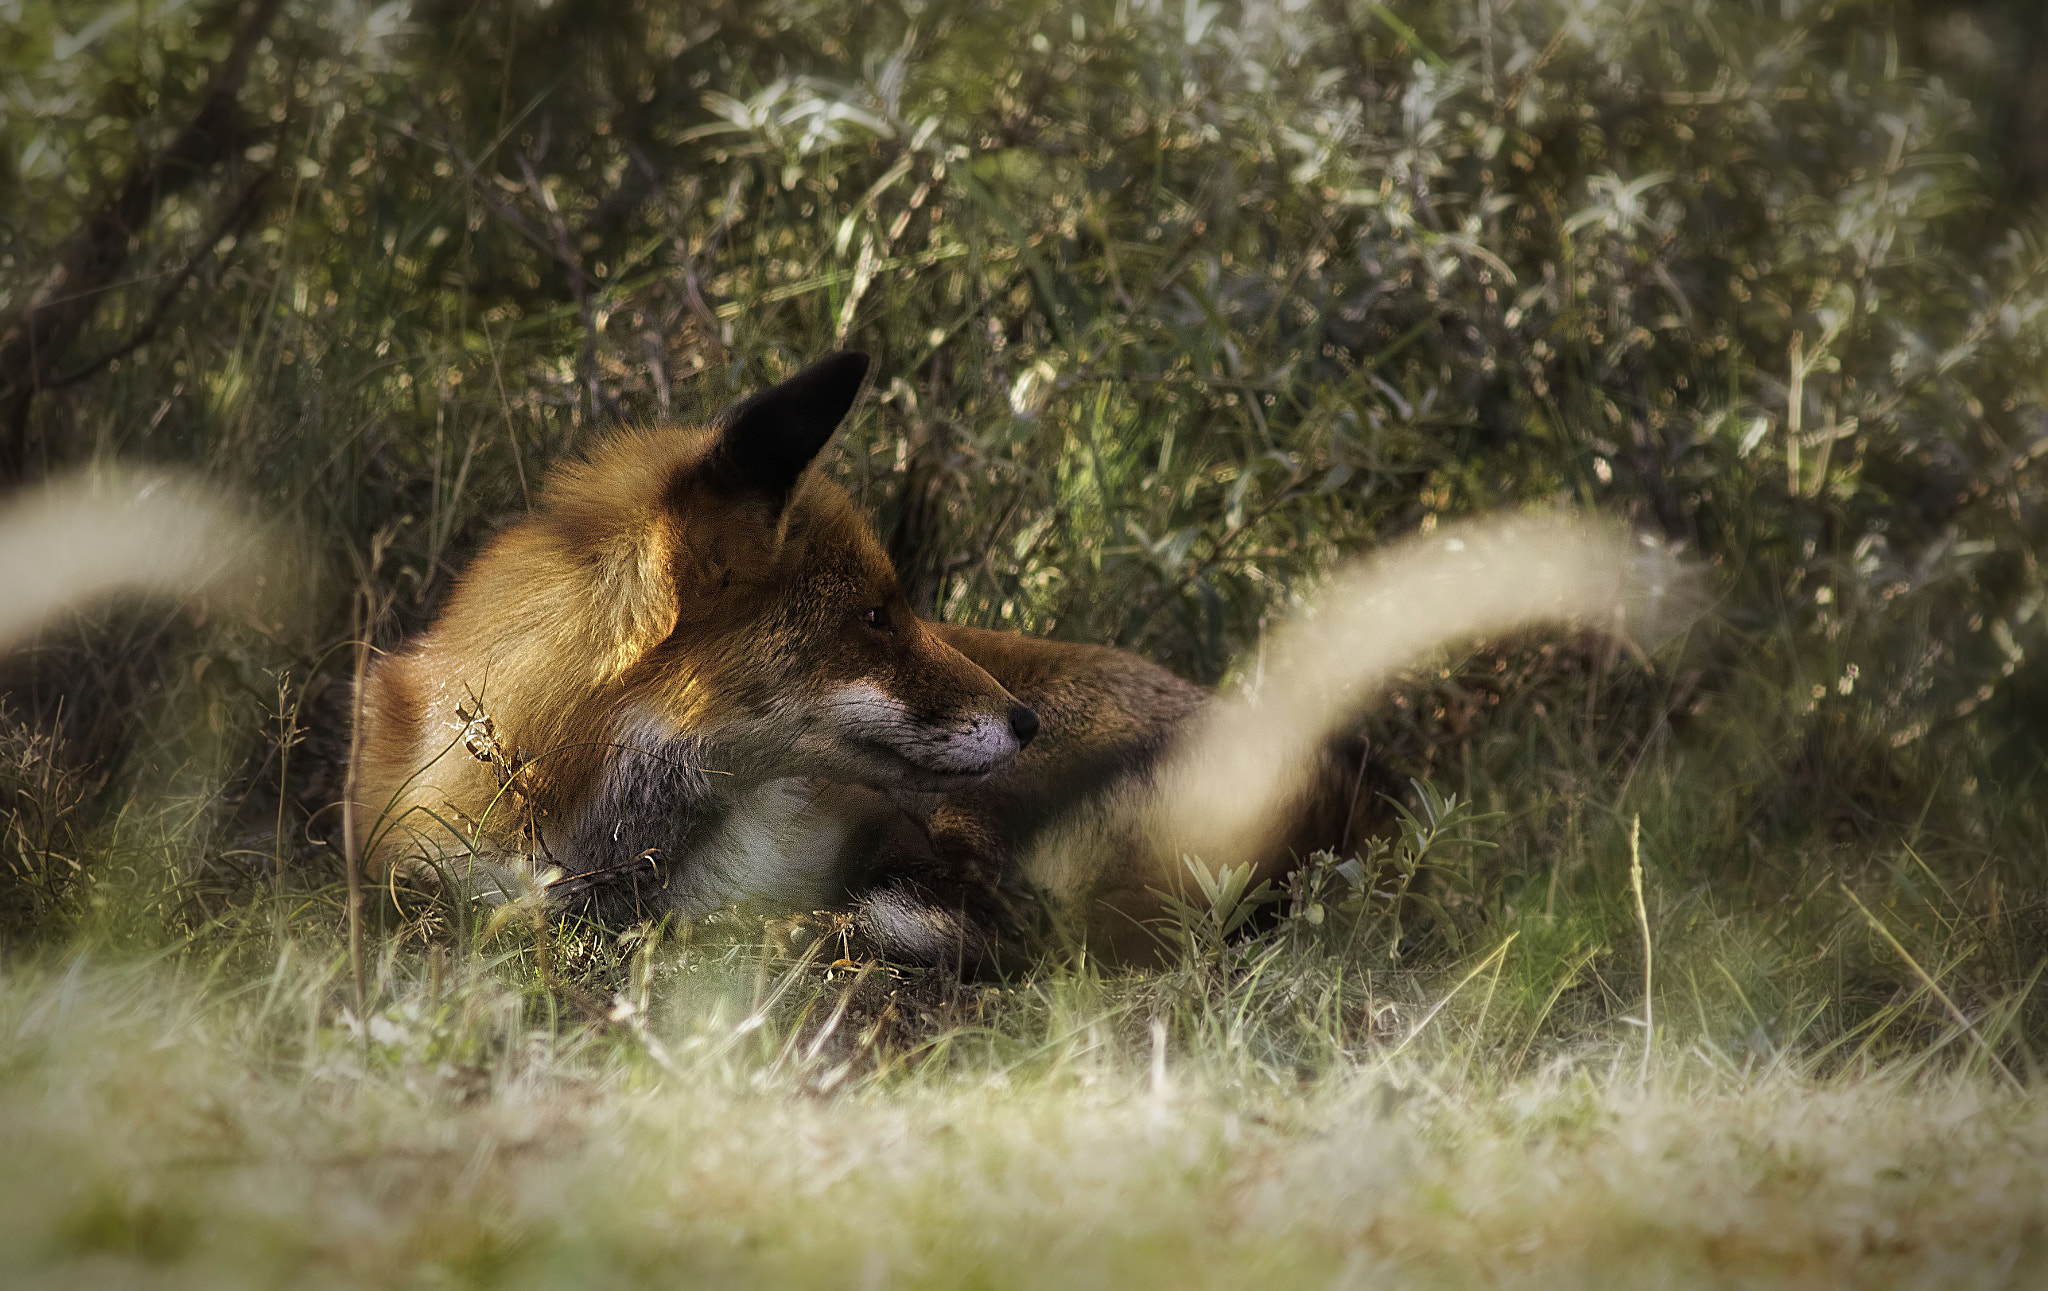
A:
(877, 618)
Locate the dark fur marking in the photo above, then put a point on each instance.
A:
(652, 806)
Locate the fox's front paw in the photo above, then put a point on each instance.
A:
(890, 926)
(909, 928)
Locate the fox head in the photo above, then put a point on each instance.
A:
(723, 590)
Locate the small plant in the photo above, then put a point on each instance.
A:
(1426, 868)
(1201, 931)
(1324, 884)
(1432, 861)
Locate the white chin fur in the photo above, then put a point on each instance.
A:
(865, 714)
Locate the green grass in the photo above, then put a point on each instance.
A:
(1463, 1095)
(187, 1124)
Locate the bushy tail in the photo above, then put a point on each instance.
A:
(1225, 794)
(100, 533)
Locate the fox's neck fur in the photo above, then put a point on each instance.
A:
(666, 815)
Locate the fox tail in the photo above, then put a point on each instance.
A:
(1224, 794)
(97, 534)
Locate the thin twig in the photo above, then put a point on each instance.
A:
(237, 217)
(1635, 883)
(580, 283)
(351, 854)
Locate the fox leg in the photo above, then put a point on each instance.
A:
(929, 893)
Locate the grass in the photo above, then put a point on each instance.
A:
(185, 1127)
(1344, 1091)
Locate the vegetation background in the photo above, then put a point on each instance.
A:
(1173, 304)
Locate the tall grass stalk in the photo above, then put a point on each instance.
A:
(1635, 884)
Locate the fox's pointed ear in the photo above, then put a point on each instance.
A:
(765, 443)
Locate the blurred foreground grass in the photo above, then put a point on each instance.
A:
(181, 1127)
(1342, 1097)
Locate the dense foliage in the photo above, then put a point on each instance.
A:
(1170, 303)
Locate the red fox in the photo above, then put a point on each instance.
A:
(689, 678)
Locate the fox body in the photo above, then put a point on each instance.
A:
(689, 677)
(685, 679)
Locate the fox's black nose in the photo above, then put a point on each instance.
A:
(1023, 724)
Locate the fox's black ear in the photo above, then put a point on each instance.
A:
(765, 442)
